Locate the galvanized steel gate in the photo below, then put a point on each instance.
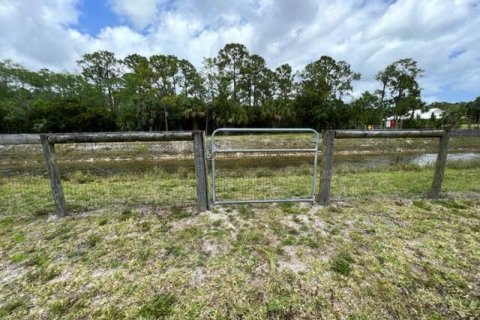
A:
(218, 150)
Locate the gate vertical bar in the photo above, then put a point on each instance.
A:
(327, 166)
(54, 175)
(440, 165)
(200, 170)
(214, 179)
(315, 159)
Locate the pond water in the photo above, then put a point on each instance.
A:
(391, 159)
(430, 158)
(173, 165)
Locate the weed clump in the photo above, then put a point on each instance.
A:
(422, 205)
(126, 214)
(179, 213)
(9, 307)
(452, 204)
(246, 212)
(290, 208)
(103, 221)
(158, 308)
(80, 177)
(92, 240)
(342, 264)
(145, 226)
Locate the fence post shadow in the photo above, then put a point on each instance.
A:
(440, 166)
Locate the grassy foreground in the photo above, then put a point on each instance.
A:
(382, 252)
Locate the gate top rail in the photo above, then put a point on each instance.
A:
(266, 130)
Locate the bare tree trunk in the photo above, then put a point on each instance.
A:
(196, 123)
(165, 113)
(206, 119)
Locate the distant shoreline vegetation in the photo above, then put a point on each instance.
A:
(233, 89)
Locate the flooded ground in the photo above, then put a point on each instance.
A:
(398, 159)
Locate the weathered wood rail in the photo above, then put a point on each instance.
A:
(444, 136)
(48, 142)
(21, 138)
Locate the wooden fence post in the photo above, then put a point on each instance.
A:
(199, 152)
(327, 167)
(54, 174)
(440, 165)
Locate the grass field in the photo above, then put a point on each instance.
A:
(369, 257)
(134, 248)
(381, 251)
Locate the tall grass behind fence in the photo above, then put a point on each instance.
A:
(263, 175)
(383, 166)
(127, 174)
(463, 162)
(24, 183)
(400, 166)
(98, 176)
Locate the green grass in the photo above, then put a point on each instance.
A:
(86, 192)
(31, 195)
(131, 248)
(372, 257)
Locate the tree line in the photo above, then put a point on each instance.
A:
(234, 88)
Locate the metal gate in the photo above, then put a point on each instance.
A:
(226, 182)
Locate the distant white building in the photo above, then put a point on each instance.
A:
(389, 122)
(427, 115)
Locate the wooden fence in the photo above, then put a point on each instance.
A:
(444, 136)
(48, 142)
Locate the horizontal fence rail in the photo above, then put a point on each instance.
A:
(20, 138)
(357, 134)
(119, 137)
(444, 136)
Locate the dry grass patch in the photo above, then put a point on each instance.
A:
(369, 257)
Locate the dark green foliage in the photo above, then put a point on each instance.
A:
(235, 88)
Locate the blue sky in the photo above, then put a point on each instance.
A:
(442, 35)
(94, 16)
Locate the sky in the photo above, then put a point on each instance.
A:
(443, 36)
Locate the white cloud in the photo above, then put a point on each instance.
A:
(140, 13)
(441, 35)
(37, 32)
